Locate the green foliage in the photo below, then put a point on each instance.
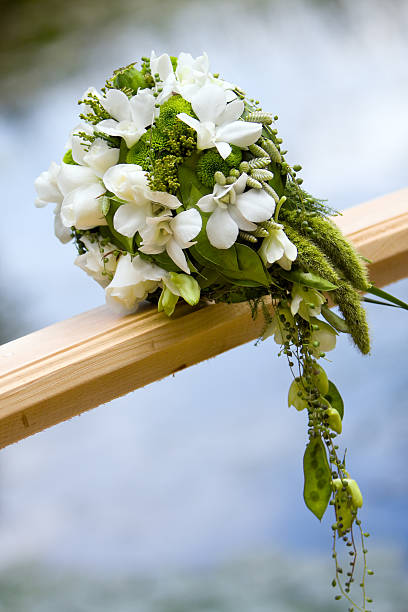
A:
(234, 158)
(334, 398)
(310, 258)
(209, 163)
(307, 279)
(164, 175)
(317, 477)
(129, 79)
(349, 302)
(139, 154)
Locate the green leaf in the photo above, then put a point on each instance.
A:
(226, 259)
(335, 321)
(167, 302)
(191, 189)
(334, 398)
(250, 265)
(308, 279)
(387, 296)
(164, 261)
(122, 241)
(317, 477)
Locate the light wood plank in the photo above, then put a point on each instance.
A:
(58, 372)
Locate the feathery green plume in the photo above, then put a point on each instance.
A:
(349, 302)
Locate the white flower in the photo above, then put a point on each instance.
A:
(171, 234)
(129, 183)
(48, 192)
(277, 247)
(133, 280)
(98, 156)
(232, 210)
(306, 301)
(82, 190)
(92, 262)
(188, 78)
(217, 124)
(130, 116)
(82, 207)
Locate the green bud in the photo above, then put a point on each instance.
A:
(167, 302)
(295, 396)
(187, 286)
(334, 420)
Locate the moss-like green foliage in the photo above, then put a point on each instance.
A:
(181, 140)
(68, 159)
(139, 154)
(208, 164)
(340, 252)
(234, 158)
(167, 119)
(310, 257)
(154, 139)
(349, 302)
(165, 176)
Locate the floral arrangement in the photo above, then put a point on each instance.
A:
(175, 186)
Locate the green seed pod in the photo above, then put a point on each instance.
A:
(262, 175)
(219, 178)
(257, 151)
(272, 150)
(334, 420)
(251, 182)
(244, 166)
(259, 117)
(248, 237)
(270, 191)
(259, 162)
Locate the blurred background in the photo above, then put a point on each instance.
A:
(187, 495)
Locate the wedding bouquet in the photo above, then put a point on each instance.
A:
(175, 186)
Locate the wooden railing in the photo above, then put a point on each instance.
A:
(58, 372)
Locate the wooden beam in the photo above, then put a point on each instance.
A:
(58, 372)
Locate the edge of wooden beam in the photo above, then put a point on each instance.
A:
(67, 368)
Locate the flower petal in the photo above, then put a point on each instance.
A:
(161, 64)
(271, 249)
(242, 223)
(164, 198)
(223, 148)
(240, 133)
(186, 225)
(117, 104)
(130, 219)
(128, 130)
(209, 103)
(222, 230)
(70, 177)
(82, 207)
(193, 123)
(256, 205)
(232, 112)
(175, 252)
(142, 106)
(207, 203)
(101, 156)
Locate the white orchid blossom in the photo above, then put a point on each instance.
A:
(306, 301)
(278, 248)
(48, 192)
(98, 261)
(130, 117)
(171, 234)
(217, 124)
(133, 280)
(190, 76)
(233, 209)
(128, 182)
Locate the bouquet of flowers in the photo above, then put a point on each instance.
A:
(175, 186)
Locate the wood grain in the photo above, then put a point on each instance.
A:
(60, 371)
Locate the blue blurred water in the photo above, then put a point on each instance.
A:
(205, 468)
